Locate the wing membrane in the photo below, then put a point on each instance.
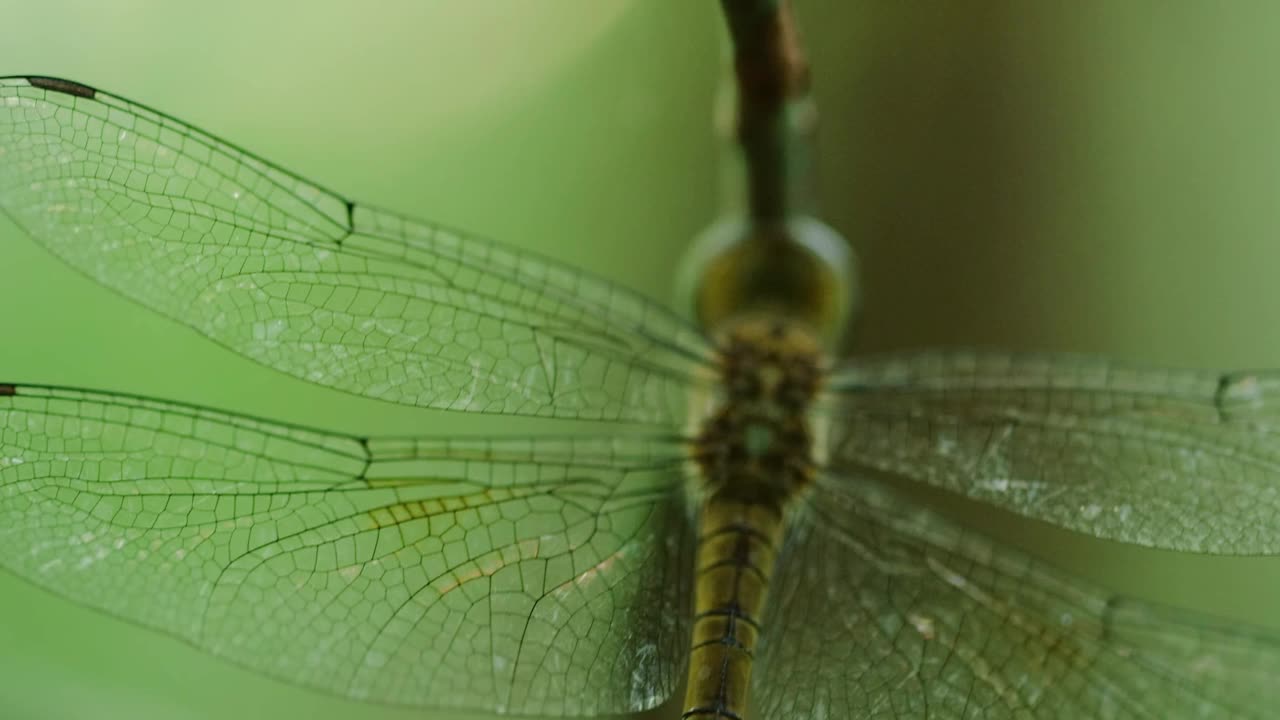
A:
(920, 619)
(295, 277)
(1182, 460)
(538, 576)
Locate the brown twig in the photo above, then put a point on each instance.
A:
(772, 77)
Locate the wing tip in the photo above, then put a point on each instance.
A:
(63, 86)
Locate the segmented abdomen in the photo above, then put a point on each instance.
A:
(737, 546)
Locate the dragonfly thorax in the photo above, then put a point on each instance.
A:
(756, 445)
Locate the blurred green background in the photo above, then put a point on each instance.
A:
(1088, 176)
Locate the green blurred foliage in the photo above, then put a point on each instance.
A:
(1085, 176)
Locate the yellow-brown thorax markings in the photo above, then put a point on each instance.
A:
(754, 454)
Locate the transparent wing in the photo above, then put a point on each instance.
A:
(921, 620)
(300, 279)
(1182, 460)
(532, 576)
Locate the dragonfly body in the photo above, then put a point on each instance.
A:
(754, 455)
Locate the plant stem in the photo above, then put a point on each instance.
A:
(772, 82)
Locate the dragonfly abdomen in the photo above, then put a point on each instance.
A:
(754, 453)
(737, 547)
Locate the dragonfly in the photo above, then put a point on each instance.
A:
(729, 508)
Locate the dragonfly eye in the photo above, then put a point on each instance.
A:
(799, 270)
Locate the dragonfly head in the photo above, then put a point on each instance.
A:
(800, 269)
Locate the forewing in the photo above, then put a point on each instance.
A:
(883, 611)
(534, 576)
(1182, 460)
(302, 280)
